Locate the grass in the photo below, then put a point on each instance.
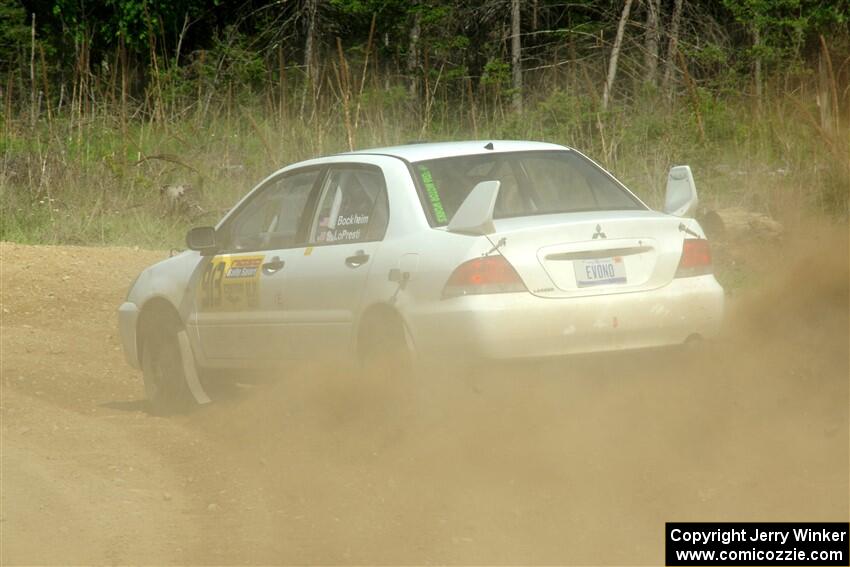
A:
(98, 180)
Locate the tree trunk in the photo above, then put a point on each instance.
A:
(32, 72)
(757, 67)
(571, 49)
(534, 11)
(827, 86)
(310, 42)
(824, 99)
(651, 42)
(413, 56)
(281, 82)
(615, 54)
(516, 55)
(125, 85)
(672, 48)
(309, 47)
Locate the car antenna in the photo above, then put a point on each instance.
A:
(686, 230)
(502, 242)
(489, 146)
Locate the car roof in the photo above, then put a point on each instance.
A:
(418, 151)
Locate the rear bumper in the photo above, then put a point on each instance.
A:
(128, 315)
(521, 325)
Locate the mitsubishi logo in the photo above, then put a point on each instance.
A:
(599, 233)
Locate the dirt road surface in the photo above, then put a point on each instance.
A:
(573, 462)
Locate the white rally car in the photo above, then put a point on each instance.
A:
(498, 249)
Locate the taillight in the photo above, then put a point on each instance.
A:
(488, 274)
(696, 258)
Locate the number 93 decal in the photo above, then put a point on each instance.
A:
(231, 283)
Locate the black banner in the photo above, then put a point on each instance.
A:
(753, 543)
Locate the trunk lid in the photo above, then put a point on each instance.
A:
(593, 253)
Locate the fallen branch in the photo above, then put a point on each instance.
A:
(170, 159)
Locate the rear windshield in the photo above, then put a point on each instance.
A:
(532, 183)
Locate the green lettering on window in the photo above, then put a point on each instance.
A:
(433, 195)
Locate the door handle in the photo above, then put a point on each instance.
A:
(273, 266)
(359, 258)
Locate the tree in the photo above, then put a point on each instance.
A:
(14, 31)
(615, 54)
(776, 31)
(672, 48)
(516, 55)
(651, 41)
(312, 9)
(413, 55)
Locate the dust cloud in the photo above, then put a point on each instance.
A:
(575, 461)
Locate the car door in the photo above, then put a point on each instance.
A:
(240, 311)
(325, 287)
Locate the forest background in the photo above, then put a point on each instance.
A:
(127, 121)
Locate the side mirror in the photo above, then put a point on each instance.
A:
(475, 214)
(681, 199)
(203, 240)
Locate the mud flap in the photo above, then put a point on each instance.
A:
(189, 370)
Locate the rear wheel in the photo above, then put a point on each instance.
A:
(162, 366)
(385, 348)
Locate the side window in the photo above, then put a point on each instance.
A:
(271, 219)
(352, 207)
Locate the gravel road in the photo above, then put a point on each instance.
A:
(579, 461)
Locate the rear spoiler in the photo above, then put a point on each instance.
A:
(475, 214)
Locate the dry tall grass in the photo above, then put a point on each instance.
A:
(92, 169)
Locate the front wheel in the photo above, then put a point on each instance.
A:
(166, 387)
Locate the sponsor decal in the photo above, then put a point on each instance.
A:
(352, 219)
(230, 283)
(433, 194)
(340, 235)
(244, 268)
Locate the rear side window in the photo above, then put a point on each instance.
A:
(352, 207)
(532, 183)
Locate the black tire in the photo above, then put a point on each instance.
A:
(162, 366)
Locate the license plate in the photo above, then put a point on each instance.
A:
(600, 271)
